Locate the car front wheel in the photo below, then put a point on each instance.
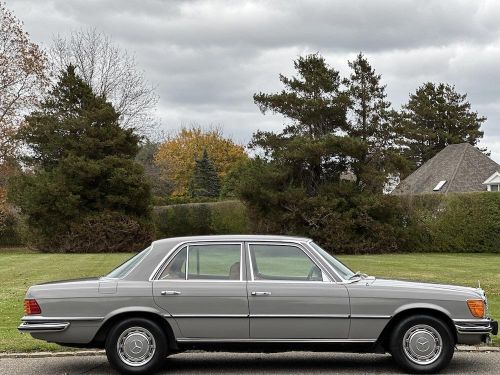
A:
(136, 346)
(422, 344)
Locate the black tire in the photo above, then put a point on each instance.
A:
(413, 344)
(137, 337)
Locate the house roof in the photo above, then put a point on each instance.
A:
(462, 166)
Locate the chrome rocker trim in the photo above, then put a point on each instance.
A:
(312, 341)
(43, 327)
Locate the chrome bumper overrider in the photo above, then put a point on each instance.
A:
(476, 326)
(43, 326)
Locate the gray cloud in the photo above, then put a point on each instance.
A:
(207, 58)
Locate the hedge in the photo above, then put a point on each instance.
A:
(465, 222)
(227, 217)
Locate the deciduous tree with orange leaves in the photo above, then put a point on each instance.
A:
(177, 155)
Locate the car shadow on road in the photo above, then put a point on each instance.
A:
(287, 363)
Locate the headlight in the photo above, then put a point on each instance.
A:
(476, 307)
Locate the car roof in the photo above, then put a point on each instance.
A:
(233, 237)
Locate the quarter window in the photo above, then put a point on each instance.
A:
(282, 262)
(176, 269)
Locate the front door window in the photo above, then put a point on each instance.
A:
(282, 262)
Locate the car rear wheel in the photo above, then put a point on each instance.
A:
(136, 346)
(422, 344)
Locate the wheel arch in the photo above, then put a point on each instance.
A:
(414, 310)
(151, 314)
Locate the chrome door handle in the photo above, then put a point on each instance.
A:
(261, 294)
(170, 293)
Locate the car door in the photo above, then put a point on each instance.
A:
(203, 287)
(290, 296)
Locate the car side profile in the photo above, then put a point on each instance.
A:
(253, 293)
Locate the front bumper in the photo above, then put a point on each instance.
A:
(476, 326)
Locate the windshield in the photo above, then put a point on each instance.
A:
(336, 264)
(123, 269)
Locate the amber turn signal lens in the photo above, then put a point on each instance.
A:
(476, 307)
(31, 307)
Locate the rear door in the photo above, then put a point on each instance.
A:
(290, 297)
(203, 287)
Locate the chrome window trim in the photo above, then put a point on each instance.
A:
(285, 243)
(342, 280)
(180, 246)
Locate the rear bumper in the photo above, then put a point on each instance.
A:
(43, 327)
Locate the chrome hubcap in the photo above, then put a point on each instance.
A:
(136, 346)
(422, 344)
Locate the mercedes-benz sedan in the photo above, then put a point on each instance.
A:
(253, 293)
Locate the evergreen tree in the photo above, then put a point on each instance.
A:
(82, 162)
(296, 186)
(436, 116)
(372, 120)
(205, 180)
(312, 145)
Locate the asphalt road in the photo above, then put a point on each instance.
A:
(232, 363)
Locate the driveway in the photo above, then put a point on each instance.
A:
(231, 363)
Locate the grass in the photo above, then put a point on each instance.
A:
(20, 268)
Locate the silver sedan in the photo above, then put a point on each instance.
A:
(253, 293)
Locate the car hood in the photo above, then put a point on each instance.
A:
(419, 286)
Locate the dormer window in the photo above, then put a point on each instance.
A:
(439, 185)
(493, 182)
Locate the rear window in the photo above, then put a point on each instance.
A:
(125, 268)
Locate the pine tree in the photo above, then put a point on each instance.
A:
(312, 146)
(436, 116)
(205, 180)
(82, 162)
(372, 120)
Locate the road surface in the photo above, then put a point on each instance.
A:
(238, 363)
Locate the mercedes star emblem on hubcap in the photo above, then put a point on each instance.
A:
(136, 346)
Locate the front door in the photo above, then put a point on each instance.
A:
(290, 297)
(203, 288)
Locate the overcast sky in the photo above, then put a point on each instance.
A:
(207, 58)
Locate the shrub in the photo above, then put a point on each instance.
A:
(10, 231)
(9, 223)
(99, 233)
(228, 217)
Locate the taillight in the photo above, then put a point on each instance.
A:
(476, 307)
(31, 307)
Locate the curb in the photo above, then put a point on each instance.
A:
(482, 349)
(90, 353)
(76, 353)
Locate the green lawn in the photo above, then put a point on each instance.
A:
(19, 269)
